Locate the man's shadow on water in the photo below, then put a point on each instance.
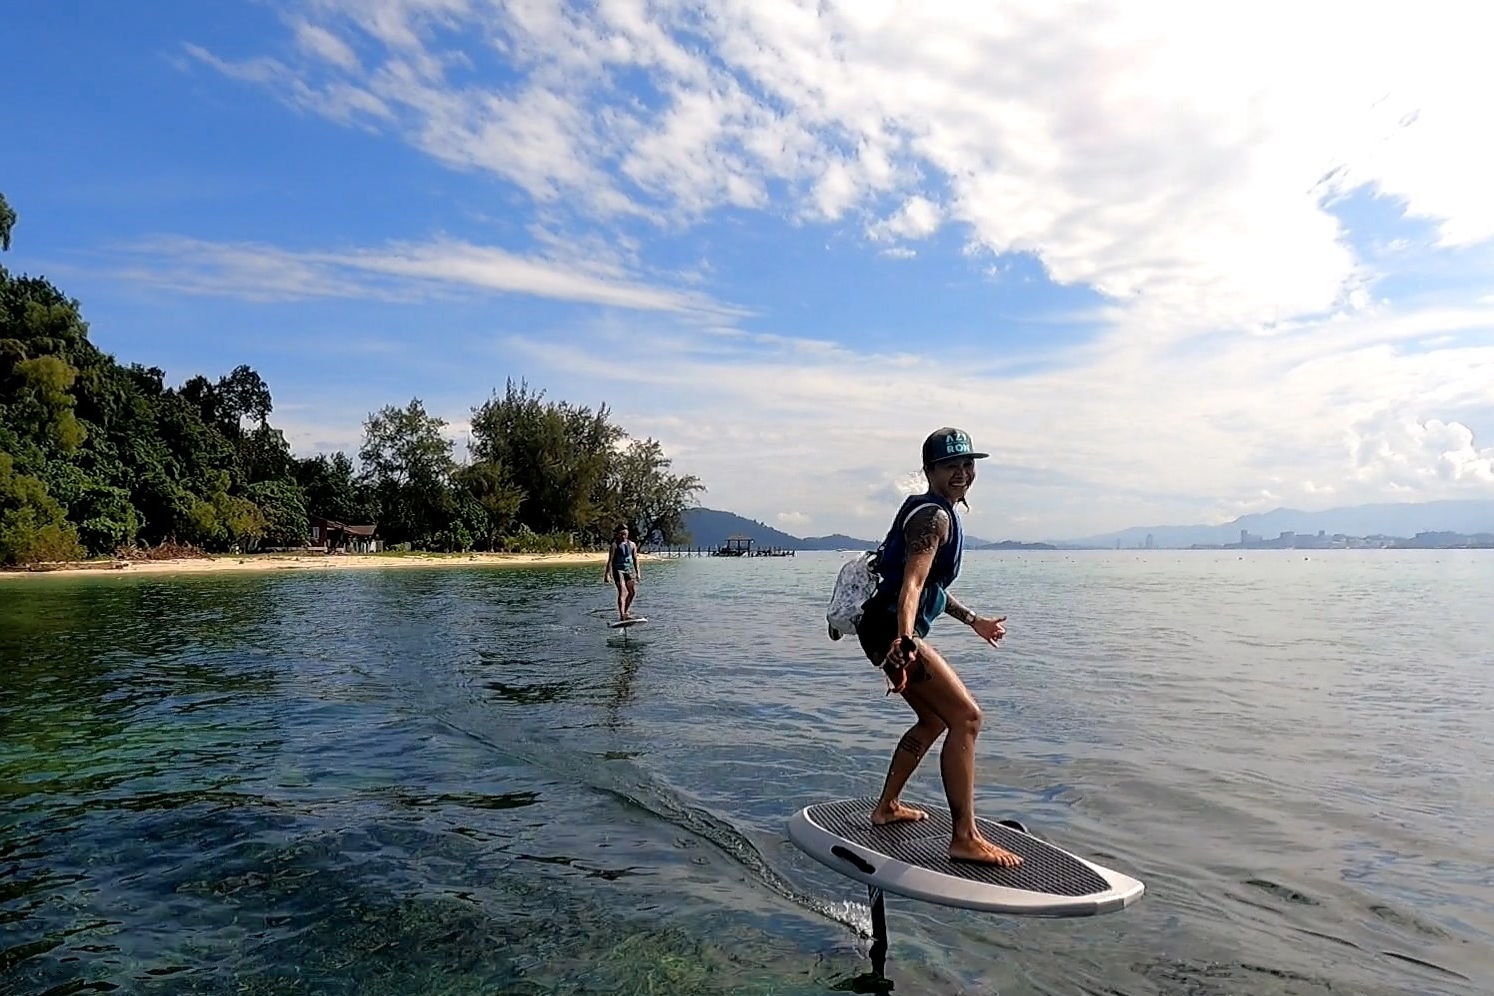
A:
(630, 658)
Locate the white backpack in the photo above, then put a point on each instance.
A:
(856, 582)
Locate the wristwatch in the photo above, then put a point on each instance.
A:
(906, 645)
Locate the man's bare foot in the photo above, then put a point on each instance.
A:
(982, 851)
(897, 813)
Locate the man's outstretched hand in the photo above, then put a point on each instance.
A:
(990, 630)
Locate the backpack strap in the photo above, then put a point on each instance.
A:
(918, 508)
(877, 555)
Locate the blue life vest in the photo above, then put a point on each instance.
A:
(892, 559)
(622, 558)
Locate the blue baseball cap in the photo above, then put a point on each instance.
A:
(949, 444)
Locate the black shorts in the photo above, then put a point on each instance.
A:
(876, 629)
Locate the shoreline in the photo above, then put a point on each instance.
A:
(236, 563)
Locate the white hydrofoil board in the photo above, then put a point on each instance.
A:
(912, 859)
(625, 623)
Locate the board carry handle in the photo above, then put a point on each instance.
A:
(845, 854)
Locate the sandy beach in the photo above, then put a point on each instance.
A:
(309, 562)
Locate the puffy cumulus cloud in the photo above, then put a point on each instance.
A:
(1400, 452)
(918, 218)
(1175, 156)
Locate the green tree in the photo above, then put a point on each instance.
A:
(408, 461)
(103, 514)
(33, 527)
(166, 508)
(283, 505)
(43, 400)
(106, 518)
(220, 521)
(264, 455)
(334, 491)
(244, 394)
(555, 452)
(488, 500)
(577, 471)
(647, 496)
(7, 222)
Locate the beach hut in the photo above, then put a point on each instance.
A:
(342, 537)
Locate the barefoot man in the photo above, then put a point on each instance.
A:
(622, 569)
(917, 562)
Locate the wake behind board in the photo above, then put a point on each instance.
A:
(912, 859)
(625, 623)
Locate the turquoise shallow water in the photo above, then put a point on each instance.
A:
(459, 781)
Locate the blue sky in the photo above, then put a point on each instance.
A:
(1167, 265)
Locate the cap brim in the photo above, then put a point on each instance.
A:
(962, 456)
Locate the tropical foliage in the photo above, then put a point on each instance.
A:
(96, 456)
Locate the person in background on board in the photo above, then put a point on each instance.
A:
(622, 570)
(918, 561)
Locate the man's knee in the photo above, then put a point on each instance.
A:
(967, 720)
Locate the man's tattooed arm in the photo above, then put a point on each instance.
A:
(923, 532)
(953, 607)
(926, 529)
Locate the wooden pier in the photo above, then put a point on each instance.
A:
(735, 546)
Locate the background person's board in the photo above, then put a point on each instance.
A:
(912, 859)
(625, 623)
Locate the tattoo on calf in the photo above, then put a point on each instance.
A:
(925, 530)
(911, 744)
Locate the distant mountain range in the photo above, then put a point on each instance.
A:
(711, 528)
(1389, 519)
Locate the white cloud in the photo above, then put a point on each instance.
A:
(398, 271)
(341, 101)
(1396, 450)
(1174, 156)
(1179, 158)
(1113, 435)
(320, 42)
(918, 218)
